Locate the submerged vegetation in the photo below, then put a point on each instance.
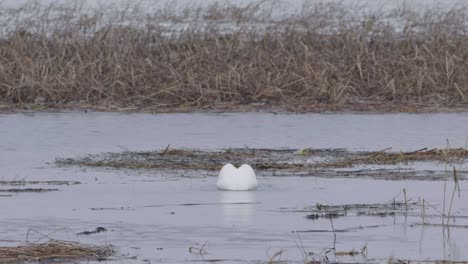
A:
(320, 211)
(232, 57)
(25, 186)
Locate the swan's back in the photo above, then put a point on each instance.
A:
(233, 179)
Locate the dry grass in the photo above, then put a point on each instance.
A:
(381, 157)
(262, 159)
(53, 250)
(324, 56)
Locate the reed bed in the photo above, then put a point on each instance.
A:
(51, 251)
(448, 155)
(220, 56)
(263, 159)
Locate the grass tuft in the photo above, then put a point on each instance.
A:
(54, 250)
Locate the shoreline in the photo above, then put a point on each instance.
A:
(242, 108)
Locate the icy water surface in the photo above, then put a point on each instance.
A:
(156, 216)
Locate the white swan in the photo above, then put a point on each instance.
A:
(233, 179)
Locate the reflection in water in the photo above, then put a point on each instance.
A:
(450, 247)
(237, 206)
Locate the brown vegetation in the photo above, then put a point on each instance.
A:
(284, 162)
(447, 155)
(324, 56)
(51, 251)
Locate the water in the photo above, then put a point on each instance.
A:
(290, 3)
(146, 212)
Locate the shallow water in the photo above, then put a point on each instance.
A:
(290, 3)
(157, 215)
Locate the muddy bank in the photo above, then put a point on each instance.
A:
(285, 107)
(382, 164)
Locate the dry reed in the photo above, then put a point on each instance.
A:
(324, 56)
(260, 159)
(54, 250)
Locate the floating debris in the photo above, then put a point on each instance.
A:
(325, 215)
(97, 230)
